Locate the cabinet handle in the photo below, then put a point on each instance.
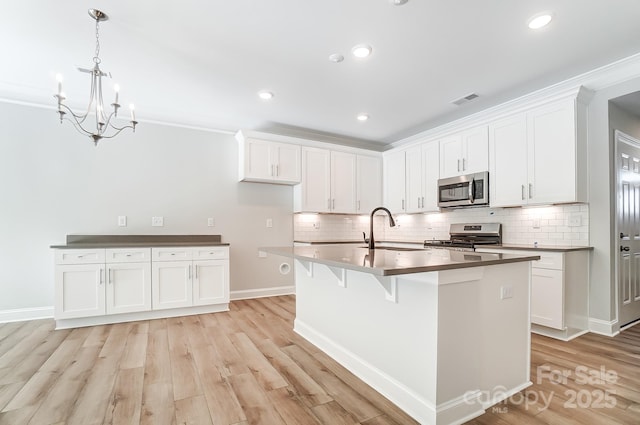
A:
(422, 201)
(196, 267)
(189, 272)
(523, 197)
(458, 165)
(80, 256)
(329, 203)
(271, 172)
(358, 205)
(403, 205)
(530, 190)
(464, 164)
(277, 170)
(101, 273)
(333, 204)
(110, 279)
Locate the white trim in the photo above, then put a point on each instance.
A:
(23, 314)
(143, 121)
(275, 291)
(141, 315)
(603, 327)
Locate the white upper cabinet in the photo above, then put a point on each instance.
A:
(268, 162)
(394, 181)
(466, 152)
(338, 182)
(537, 157)
(369, 183)
(411, 179)
(343, 182)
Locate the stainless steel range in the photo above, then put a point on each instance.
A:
(466, 237)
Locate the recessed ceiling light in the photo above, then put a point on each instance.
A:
(336, 57)
(540, 20)
(362, 117)
(265, 95)
(398, 2)
(361, 50)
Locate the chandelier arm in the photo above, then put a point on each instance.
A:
(79, 127)
(119, 129)
(79, 118)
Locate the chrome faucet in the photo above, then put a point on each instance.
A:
(392, 223)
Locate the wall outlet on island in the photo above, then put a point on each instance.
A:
(122, 220)
(506, 291)
(211, 222)
(157, 221)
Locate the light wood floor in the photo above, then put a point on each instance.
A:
(247, 366)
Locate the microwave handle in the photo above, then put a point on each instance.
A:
(472, 191)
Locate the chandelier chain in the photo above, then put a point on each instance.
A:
(96, 58)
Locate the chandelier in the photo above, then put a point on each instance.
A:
(100, 125)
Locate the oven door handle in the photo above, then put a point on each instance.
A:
(472, 190)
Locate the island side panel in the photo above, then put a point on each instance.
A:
(390, 345)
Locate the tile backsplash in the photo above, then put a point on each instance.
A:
(566, 225)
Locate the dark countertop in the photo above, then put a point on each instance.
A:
(550, 248)
(389, 262)
(138, 241)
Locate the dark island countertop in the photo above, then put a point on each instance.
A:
(138, 241)
(514, 247)
(394, 261)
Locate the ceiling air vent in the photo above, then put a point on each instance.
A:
(465, 99)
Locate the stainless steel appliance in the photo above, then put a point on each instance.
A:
(467, 236)
(471, 190)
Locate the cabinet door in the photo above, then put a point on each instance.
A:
(368, 183)
(547, 298)
(79, 291)
(394, 182)
(287, 163)
(475, 145)
(257, 160)
(316, 180)
(508, 162)
(210, 282)
(128, 287)
(171, 284)
(343, 182)
(451, 156)
(413, 179)
(430, 175)
(552, 154)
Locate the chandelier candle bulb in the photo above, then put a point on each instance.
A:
(133, 113)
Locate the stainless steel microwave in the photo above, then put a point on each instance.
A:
(471, 190)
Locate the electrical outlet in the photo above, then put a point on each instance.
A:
(122, 220)
(262, 254)
(575, 220)
(269, 222)
(536, 223)
(157, 221)
(506, 291)
(211, 222)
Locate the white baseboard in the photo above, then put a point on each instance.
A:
(603, 327)
(23, 314)
(247, 294)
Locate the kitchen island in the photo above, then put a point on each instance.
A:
(443, 334)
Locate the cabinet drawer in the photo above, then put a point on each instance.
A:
(125, 255)
(80, 256)
(171, 254)
(210, 253)
(549, 260)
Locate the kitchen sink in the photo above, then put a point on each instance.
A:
(395, 248)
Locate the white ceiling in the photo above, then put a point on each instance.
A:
(201, 63)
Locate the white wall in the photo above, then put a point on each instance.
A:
(54, 182)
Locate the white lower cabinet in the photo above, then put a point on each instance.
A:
(559, 291)
(201, 277)
(90, 283)
(95, 282)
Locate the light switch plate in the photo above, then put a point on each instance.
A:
(211, 222)
(122, 220)
(157, 221)
(269, 222)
